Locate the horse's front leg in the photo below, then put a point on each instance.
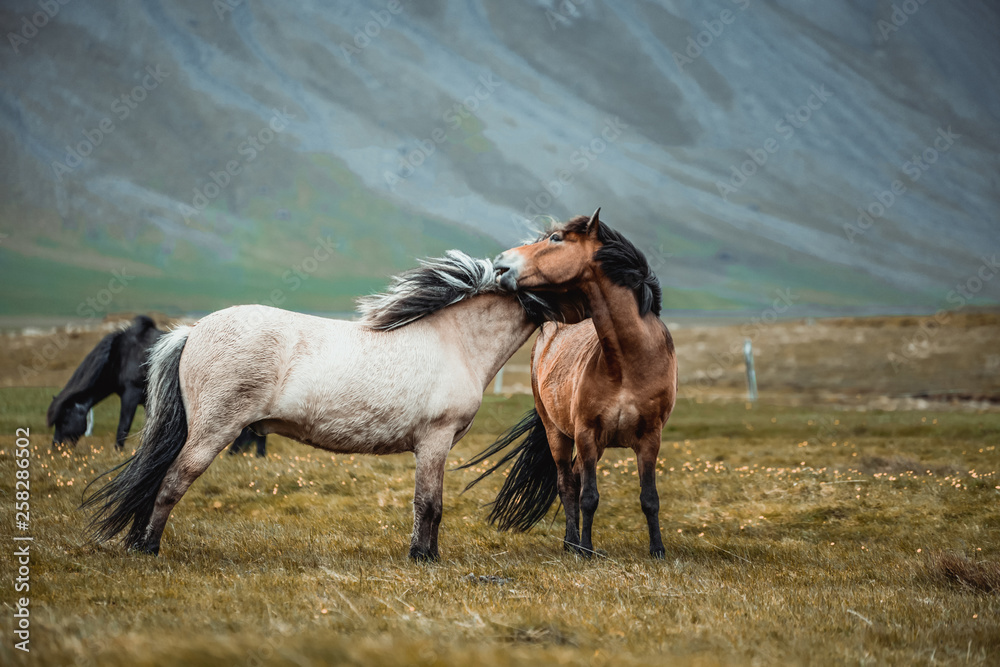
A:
(646, 453)
(431, 456)
(586, 451)
(567, 483)
(131, 398)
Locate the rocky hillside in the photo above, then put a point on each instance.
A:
(187, 155)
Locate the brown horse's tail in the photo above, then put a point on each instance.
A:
(530, 488)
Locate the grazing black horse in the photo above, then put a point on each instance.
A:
(115, 366)
(247, 438)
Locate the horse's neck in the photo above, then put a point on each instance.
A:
(623, 335)
(489, 328)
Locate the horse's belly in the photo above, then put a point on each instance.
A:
(368, 431)
(368, 419)
(345, 433)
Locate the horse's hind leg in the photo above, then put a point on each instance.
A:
(240, 442)
(200, 449)
(646, 453)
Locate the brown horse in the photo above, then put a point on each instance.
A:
(606, 382)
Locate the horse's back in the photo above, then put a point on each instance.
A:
(253, 350)
(334, 384)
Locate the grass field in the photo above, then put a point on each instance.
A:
(793, 534)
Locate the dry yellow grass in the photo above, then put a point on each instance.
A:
(793, 534)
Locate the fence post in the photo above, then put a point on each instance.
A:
(751, 374)
(498, 382)
(90, 423)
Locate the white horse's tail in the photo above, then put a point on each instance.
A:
(128, 500)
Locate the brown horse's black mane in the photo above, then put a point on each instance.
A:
(622, 263)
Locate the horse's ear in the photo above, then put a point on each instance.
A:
(594, 223)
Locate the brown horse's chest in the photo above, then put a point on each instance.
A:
(619, 423)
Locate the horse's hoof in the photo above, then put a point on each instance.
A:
(146, 550)
(423, 555)
(658, 554)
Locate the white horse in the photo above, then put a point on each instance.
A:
(408, 377)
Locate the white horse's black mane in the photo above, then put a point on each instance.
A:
(438, 283)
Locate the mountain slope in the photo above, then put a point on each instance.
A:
(249, 133)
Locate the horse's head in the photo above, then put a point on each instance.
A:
(574, 255)
(558, 261)
(72, 424)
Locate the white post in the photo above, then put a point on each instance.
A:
(498, 382)
(751, 374)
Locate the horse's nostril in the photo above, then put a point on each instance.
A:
(507, 281)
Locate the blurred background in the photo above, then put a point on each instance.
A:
(776, 161)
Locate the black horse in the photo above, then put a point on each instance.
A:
(115, 366)
(245, 439)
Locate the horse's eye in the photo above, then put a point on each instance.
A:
(555, 238)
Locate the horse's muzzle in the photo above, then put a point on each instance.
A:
(506, 273)
(507, 281)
